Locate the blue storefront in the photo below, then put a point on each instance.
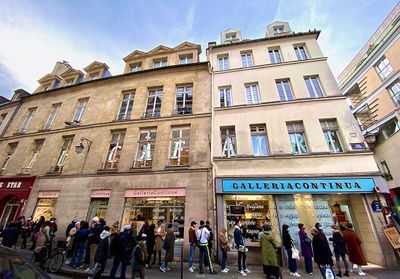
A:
(327, 200)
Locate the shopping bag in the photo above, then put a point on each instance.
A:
(295, 253)
(328, 272)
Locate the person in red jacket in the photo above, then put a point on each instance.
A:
(354, 249)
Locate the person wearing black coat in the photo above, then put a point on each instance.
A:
(287, 242)
(102, 252)
(322, 252)
(151, 241)
(10, 235)
(122, 252)
(339, 249)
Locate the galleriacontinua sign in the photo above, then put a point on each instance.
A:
(279, 186)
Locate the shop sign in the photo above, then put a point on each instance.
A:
(358, 146)
(376, 206)
(100, 194)
(280, 186)
(393, 236)
(48, 195)
(145, 193)
(24, 183)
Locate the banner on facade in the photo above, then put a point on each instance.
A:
(145, 193)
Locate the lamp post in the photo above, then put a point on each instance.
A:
(80, 147)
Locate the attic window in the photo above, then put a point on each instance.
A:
(186, 59)
(135, 67)
(69, 81)
(230, 36)
(95, 75)
(46, 87)
(161, 62)
(278, 29)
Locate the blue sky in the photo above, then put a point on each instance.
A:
(36, 34)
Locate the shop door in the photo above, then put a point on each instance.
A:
(98, 207)
(9, 213)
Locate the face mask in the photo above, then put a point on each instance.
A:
(52, 222)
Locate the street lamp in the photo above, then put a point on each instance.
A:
(80, 147)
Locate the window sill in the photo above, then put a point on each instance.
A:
(53, 173)
(19, 133)
(140, 169)
(101, 171)
(122, 120)
(177, 167)
(44, 130)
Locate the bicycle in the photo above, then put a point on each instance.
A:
(52, 261)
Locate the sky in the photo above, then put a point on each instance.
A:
(34, 35)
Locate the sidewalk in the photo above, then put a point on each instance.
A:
(175, 272)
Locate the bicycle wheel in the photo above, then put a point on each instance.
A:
(55, 262)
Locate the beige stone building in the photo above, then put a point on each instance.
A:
(371, 82)
(285, 147)
(134, 146)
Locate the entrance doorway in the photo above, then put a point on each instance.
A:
(9, 212)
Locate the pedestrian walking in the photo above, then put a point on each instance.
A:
(80, 239)
(268, 250)
(192, 244)
(322, 251)
(339, 249)
(139, 261)
(169, 246)
(102, 253)
(151, 240)
(159, 237)
(354, 249)
(241, 248)
(223, 244)
(122, 252)
(306, 248)
(288, 243)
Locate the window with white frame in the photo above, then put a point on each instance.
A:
(136, 67)
(225, 96)
(284, 90)
(331, 134)
(384, 68)
(10, 151)
(314, 87)
(230, 36)
(259, 140)
(161, 62)
(53, 113)
(247, 59)
(278, 29)
(184, 99)
(62, 156)
(114, 150)
(146, 145)
(228, 140)
(94, 76)
(392, 127)
(27, 120)
(252, 94)
(301, 53)
(297, 137)
(395, 92)
(275, 56)
(186, 59)
(125, 108)
(79, 111)
(37, 146)
(179, 148)
(154, 101)
(223, 62)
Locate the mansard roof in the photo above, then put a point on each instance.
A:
(71, 72)
(95, 65)
(47, 78)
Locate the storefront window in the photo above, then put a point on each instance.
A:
(98, 207)
(155, 209)
(253, 211)
(44, 207)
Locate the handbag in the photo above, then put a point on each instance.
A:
(243, 249)
(328, 272)
(308, 240)
(295, 253)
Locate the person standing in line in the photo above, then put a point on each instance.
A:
(159, 236)
(210, 243)
(9, 234)
(192, 244)
(354, 249)
(43, 242)
(288, 243)
(223, 244)
(322, 251)
(80, 239)
(93, 240)
(268, 249)
(26, 231)
(102, 253)
(70, 242)
(203, 235)
(169, 246)
(139, 261)
(142, 235)
(339, 249)
(35, 231)
(306, 249)
(122, 252)
(240, 247)
(150, 244)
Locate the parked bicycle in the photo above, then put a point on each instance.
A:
(51, 261)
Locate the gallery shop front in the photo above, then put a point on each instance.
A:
(14, 193)
(338, 200)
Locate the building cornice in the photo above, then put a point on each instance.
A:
(296, 175)
(262, 66)
(111, 124)
(280, 103)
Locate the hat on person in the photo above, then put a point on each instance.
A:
(127, 227)
(96, 219)
(193, 223)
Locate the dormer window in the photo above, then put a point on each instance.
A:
(230, 36)
(278, 29)
(94, 75)
(186, 59)
(136, 67)
(56, 84)
(46, 87)
(161, 62)
(69, 81)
